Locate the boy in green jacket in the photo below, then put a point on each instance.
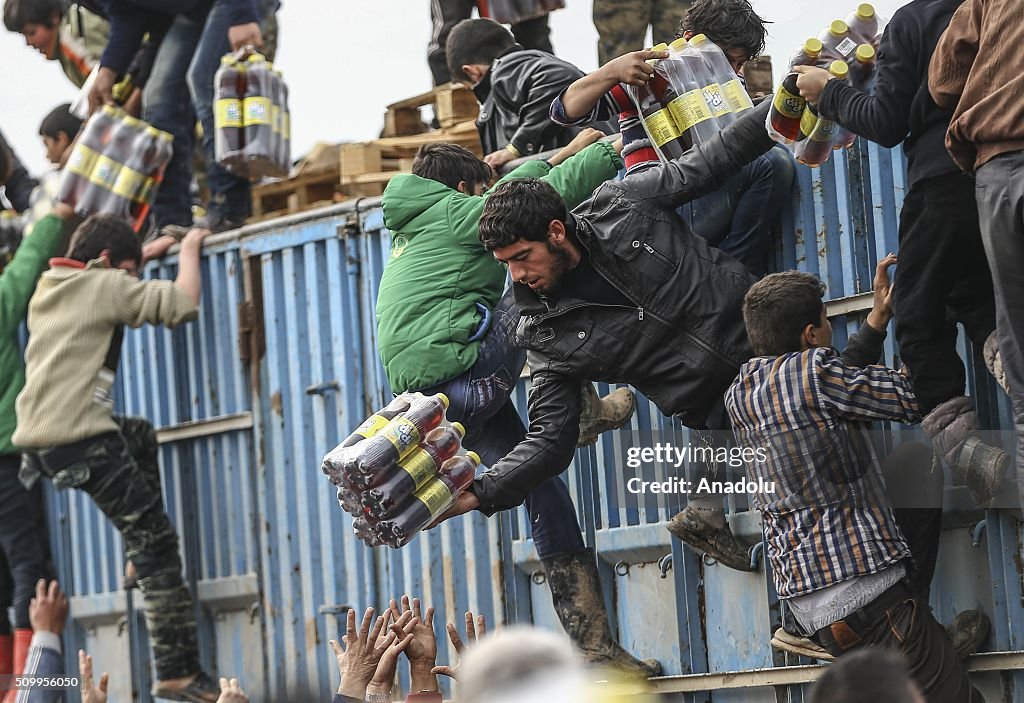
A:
(443, 326)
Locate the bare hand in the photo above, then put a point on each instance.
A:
(473, 633)
(245, 35)
(881, 311)
(358, 661)
(384, 676)
(64, 211)
(231, 692)
(157, 248)
(195, 237)
(811, 82)
(466, 502)
(49, 609)
(632, 68)
(581, 141)
(90, 694)
(499, 158)
(102, 92)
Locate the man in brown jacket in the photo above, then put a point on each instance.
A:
(972, 72)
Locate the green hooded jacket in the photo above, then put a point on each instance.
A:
(438, 269)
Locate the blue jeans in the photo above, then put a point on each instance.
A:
(738, 217)
(481, 399)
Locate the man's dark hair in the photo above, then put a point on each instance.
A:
(450, 164)
(475, 41)
(100, 232)
(60, 120)
(6, 162)
(18, 13)
(522, 208)
(777, 308)
(870, 675)
(731, 24)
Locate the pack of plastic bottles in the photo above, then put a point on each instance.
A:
(516, 11)
(116, 166)
(847, 49)
(400, 469)
(252, 123)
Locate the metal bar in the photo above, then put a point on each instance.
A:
(861, 302)
(204, 428)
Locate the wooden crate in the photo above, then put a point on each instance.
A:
(452, 104)
(294, 194)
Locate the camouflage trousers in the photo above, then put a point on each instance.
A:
(119, 470)
(622, 24)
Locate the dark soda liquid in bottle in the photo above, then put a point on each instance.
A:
(836, 41)
(863, 24)
(334, 461)
(809, 54)
(93, 140)
(99, 197)
(652, 99)
(787, 109)
(688, 107)
(400, 436)
(394, 487)
(228, 135)
(862, 70)
(131, 177)
(155, 164)
(257, 115)
(818, 133)
(431, 500)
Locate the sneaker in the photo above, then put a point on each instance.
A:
(602, 414)
(201, 689)
(789, 642)
(217, 222)
(967, 631)
(718, 543)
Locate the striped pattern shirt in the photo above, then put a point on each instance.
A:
(829, 519)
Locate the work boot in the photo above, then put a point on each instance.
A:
(717, 542)
(576, 594)
(994, 361)
(798, 644)
(603, 414)
(967, 631)
(953, 427)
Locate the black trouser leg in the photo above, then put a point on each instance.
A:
(20, 539)
(915, 491)
(444, 14)
(534, 34)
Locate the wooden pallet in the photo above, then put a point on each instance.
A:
(452, 104)
(293, 194)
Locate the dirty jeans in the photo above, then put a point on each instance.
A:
(119, 471)
(481, 399)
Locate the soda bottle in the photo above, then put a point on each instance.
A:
(99, 197)
(430, 500)
(74, 181)
(836, 41)
(256, 115)
(281, 153)
(400, 436)
(650, 100)
(349, 500)
(227, 116)
(862, 70)
(335, 459)
(808, 55)
(689, 110)
(787, 109)
(131, 177)
(157, 158)
(814, 149)
(367, 532)
(863, 24)
(393, 488)
(731, 87)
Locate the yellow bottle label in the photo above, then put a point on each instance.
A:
(287, 128)
(660, 127)
(808, 121)
(715, 100)
(105, 172)
(736, 96)
(228, 113)
(789, 105)
(420, 467)
(690, 109)
(371, 426)
(435, 495)
(256, 111)
(825, 131)
(402, 433)
(82, 160)
(275, 118)
(129, 183)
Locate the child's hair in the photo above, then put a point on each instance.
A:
(18, 13)
(60, 120)
(101, 233)
(777, 308)
(449, 164)
(731, 24)
(475, 42)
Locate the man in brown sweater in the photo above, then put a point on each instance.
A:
(973, 72)
(67, 430)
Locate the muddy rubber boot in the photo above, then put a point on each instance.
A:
(994, 361)
(717, 542)
(603, 414)
(967, 631)
(579, 602)
(798, 644)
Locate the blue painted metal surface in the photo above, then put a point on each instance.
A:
(272, 557)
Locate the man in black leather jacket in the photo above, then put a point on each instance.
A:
(621, 291)
(514, 86)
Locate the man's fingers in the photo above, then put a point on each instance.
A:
(647, 55)
(470, 627)
(338, 651)
(453, 635)
(224, 685)
(443, 671)
(85, 668)
(481, 626)
(364, 628)
(104, 680)
(429, 621)
(417, 611)
(350, 625)
(54, 590)
(400, 646)
(800, 69)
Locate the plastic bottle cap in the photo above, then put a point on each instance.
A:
(227, 60)
(865, 53)
(698, 39)
(474, 456)
(813, 47)
(865, 11)
(660, 47)
(444, 399)
(458, 427)
(259, 58)
(838, 28)
(839, 69)
(110, 110)
(678, 45)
